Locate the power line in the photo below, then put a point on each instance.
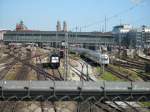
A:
(113, 16)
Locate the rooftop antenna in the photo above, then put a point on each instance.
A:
(103, 29)
(76, 33)
(80, 29)
(120, 21)
(105, 23)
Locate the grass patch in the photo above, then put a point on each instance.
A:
(145, 104)
(107, 75)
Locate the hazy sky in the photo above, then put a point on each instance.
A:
(88, 15)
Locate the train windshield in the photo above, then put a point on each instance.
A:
(55, 59)
(104, 57)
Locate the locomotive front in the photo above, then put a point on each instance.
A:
(54, 60)
(104, 59)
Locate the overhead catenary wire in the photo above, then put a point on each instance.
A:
(105, 20)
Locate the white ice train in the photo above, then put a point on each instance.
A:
(92, 55)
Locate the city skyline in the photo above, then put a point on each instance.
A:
(86, 15)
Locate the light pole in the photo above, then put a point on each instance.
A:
(120, 38)
(87, 70)
(100, 60)
(56, 39)
(76, 34)
(66, 56)
(82, 65)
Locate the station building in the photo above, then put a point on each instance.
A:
(85, 39)
(131, 37)
(140, 37)
(2, 32)
(55, 38)
(120, 33)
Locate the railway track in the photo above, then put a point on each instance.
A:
(118, 74)
(11, 105)
(36, 68)
(122, 76)
(5, 70)
(9, 63)
(8, 106)
(114, 72)
(24, 70)
(143, 59)
(78, 72)
(39, 70)
(5, 59)
(57, 73)
(81, 74)
(142, 75)
(138, 62)
(129, 65)
(107, 108)
(45, 105)
(121, 108)
(132, 107)
(22, 74)
(39, 77)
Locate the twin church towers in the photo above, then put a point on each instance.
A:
(58, 26)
